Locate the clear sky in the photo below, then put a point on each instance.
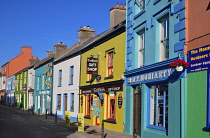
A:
(43, 23)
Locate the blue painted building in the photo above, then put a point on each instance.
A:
(154, 106)
(10, 90)
(43, 85)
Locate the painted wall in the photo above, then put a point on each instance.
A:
(148, 21)
(21, 61)
(196, 104)
(197, 23)
(118, 43)
(66, 87)
(42, 92)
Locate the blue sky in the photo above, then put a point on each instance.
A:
(43, 23)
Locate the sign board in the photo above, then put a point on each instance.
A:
(67, 118)
(199, 59)
(120, 100)
(81, 122)
(110, 88)
(15, 83)
(92, 65)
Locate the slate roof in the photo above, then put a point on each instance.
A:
(90, 42)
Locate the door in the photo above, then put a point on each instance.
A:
(137, 110)
(30, 100)
(96, 109)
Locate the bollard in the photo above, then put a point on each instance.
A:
(38, 112)
(28, 110)
(46, 114)
(56, 116)
(102, 129)
(13, 106)
(32, 110)
(134, 133)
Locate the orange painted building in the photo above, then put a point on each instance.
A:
(197, 24)
(19, 62)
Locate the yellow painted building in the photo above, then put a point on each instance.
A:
(102, 81)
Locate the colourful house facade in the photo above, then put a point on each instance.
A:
(101, 79)
(197, 49)
(21, 96)
(154, 93)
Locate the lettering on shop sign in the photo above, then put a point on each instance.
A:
(48, 74)
(150, 76)
(199, 59)
(113, 88)
(92, 65)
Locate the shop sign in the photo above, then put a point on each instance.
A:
(15, 83)
(112, 88)
(92, 65)
(80, 122)
(199, 59)
(153, 76)
(120, 100)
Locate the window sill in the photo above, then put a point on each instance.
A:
(110, 77)
(87, 117)
(110, 121)
(89, 81)
(71, 110)
(70, 84)
(58, 109)
(155, 2)
(139, 14)
(157, 127)
(59, 85)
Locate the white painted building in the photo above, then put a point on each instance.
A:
(66, 78)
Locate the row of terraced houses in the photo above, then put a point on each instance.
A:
(122, 76)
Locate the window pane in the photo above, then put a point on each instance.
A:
(59, 101)
(152, 105)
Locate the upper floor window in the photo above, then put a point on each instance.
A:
(59, 77)
(110, 63)
(71, 75)
(139, 5)
(158, 107)
(141, 53)
(164, 39)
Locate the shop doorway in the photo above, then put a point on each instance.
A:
(137, 110)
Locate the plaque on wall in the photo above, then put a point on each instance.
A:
(120, 100)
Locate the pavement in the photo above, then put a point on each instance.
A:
(91, 131)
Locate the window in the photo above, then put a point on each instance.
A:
(43, 82)
(88, 101)
(141, 49)
(89, 77)
(139, 5)
(71, 76)
(59, 77)
(72, 102)
(158, 107)
(37, 83)
(110, 63)
(111, 106)
(58, 101)
(164, 39)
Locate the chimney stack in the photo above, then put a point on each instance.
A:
(117, 14)
(59, 48)
(49, 52)
(85, 33)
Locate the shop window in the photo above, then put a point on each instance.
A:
(71, 75)
(59, 78)
(58, 101)
(88, 103)
(158, 107)
(110, 63)
(72, 102)
(111, 106)
(141, 49)
(164, 39)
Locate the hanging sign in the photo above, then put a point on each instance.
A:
(80, 122)
(120, 100)
(199, 59)
(92, 65)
